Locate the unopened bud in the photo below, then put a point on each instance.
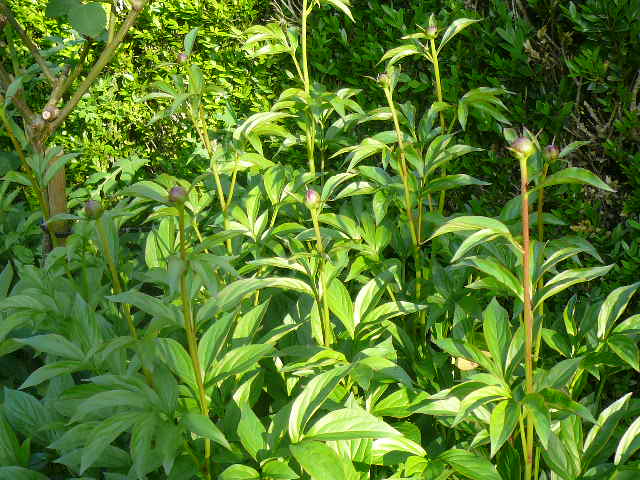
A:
(177, 195)
(551, 153)
(183, 57)
(137, 5)
(522, 148)
(312, 198)
(93, 209)
(432, 31)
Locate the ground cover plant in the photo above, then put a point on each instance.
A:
(307, 304)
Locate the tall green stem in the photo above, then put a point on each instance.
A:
(323, 306)
(190, 330)
(436, 71)
(528, 314)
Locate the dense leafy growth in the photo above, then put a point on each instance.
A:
(314, 239)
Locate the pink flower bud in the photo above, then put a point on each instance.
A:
(177, 195)
(522, 148)
(312, 199)
(93, 209)
(183, 57)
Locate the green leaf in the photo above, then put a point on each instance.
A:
(239, 472)
(459, 349)
(565, 279)
(451, 181)
(148, 304)
(54, 344)
(251, 432)
(148, 191)
(233, 293)
(89, 19)
(572, 147)
(341, 305)
(199, 424)
(311, 399)
(109, 400)
(560, 374)
(465, 223)
(348, 424)
(105, 433)
(20, 473)
(9, 446)
(189, 40)
(613, 307)
(17, 177)
(398, 53)
(626, 445)
(607, 422)
(541, 417)
(213, 340)
(626, 348)
(341, 6)
(277, 469)
(368, 294)
(177, 359)
(26, 414)
(322, 462)
(575, 175)
(390, 310)
(561, 401)
(497, 333)
(456, 27)
(497, 271)
(470, 465)
(51, 370)
(60, 8)
(238, 361)
(504, 419)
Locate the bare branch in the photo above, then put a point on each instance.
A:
(28, 43)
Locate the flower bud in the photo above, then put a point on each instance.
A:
(177, 195)
(312, 199)
(431, 31)
(551, 153)
(93, 209)
(522, 148)
(183, 57)
(137, 5)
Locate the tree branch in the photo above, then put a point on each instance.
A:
(28, 43)
(105, 57)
